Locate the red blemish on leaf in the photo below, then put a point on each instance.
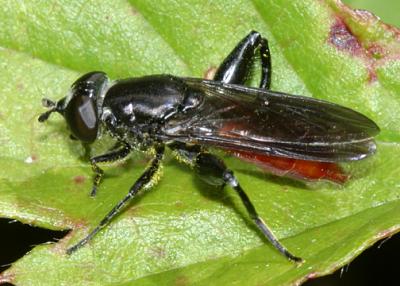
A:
(311, 275)
(341, 37)
(7, 277)
(74, 224)
(372, 77)
(386, 233)
(31, 159)
(209, 73)
(79, 179)
(362, 34)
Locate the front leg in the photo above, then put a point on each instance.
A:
(118, 152)
(140, 183)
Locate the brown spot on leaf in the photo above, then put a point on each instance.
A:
(79, 179)
(179, 204)
(20, 86)
(376, 51)
(134, 12)
(284, 189)
(134, 211)
(158, 252)
(209, 73)
(8, 277)
(181, 281)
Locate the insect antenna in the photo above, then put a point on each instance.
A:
(49, 104)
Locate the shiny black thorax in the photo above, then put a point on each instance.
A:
(137, 108)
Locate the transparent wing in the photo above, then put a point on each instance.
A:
(236, 117)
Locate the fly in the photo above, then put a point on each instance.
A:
(288, 134)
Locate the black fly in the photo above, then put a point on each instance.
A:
(189, 115)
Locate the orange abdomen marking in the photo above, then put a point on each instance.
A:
(299, 169)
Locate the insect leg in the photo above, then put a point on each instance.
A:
(118, 152)
(140, 183)
(237, 65)
(213, 171)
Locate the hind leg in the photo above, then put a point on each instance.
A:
(237, 65)
(213, 171)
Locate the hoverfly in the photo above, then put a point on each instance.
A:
(292, 135)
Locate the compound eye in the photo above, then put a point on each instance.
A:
(81, 116)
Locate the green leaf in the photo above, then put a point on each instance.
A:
(386, 10)
(184, 232)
